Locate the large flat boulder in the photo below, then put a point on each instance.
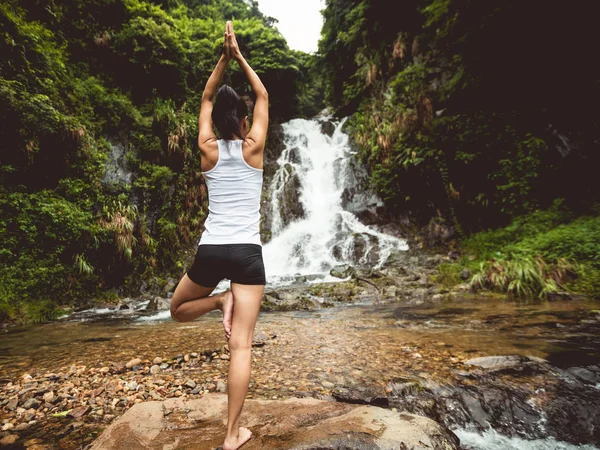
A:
(295, 424)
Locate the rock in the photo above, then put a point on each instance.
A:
(155, 369)
(8, 426)
(509, 364)
(585, 375)
(343, 271)
(164, 366)
(465, 274)
(157, 303)
(328, 128)
(13, 403)
(123, 306)
(260, 339)
(170, 285)
(190, 383)
(302, 423)
(9, 439)
(31, 403)
(133, 362)
(49, 396)
(79, 412)
(360, 395)
(221, 386)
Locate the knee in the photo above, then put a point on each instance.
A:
(174, 314)
(237, 343)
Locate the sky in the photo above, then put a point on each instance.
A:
(300, 21)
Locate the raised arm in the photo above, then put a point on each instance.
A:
(205, 123)
(260, 121)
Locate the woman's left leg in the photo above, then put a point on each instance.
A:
(191, 300)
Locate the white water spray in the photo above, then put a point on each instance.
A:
(327, 235)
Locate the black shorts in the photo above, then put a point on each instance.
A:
(240, 263)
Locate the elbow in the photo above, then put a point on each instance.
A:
(262, 93)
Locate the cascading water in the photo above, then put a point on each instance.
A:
(325, 235)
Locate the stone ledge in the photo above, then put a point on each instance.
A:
(294, 424)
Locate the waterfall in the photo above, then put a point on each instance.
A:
(311, 231)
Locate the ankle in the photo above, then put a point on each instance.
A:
(231, 434)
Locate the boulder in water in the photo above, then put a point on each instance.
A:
(294, 423)
(157, 303)
(328, 128)
(343, 271)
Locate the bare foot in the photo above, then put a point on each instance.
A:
(227, 308)
(237, 441)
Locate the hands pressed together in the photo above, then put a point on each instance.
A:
(231, 50)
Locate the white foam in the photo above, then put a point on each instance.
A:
(490, 440)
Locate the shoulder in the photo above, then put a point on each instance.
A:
(209, 146)
(253, 146)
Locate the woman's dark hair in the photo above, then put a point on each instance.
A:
(228, 112)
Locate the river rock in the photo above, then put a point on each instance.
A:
(295, 423)
(133, 362)
(361, 395)
(508, 364)
(31, 403)
(585, 375)
(342, 271)
(328, 128)
(157, 303)
(9, 439)
(79, 412)
(13, 403)
(155, 369)
(170, 285)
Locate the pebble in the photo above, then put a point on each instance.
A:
(224, 356)
(31, 403)
(133, 362)
(12, 403)
(190, 383)
(221, 386)
(9, 439)
(157, 360)
(155, 369)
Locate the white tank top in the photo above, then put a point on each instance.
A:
(234, 193)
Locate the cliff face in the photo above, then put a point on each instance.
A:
(464, 110)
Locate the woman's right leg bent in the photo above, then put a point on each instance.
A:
(247, 300)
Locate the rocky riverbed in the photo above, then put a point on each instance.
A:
(387, 338)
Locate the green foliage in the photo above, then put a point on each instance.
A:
(537, 254)
(448, 275)
(40, 312)
(459, 109)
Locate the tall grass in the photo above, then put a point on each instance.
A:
(538, 254)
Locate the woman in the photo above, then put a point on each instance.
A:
(230, 246)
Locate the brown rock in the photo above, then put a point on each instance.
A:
(295, 423)
(133, 362)
(13, 403)
(79, 412)
(49, 396)
(9, 439)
